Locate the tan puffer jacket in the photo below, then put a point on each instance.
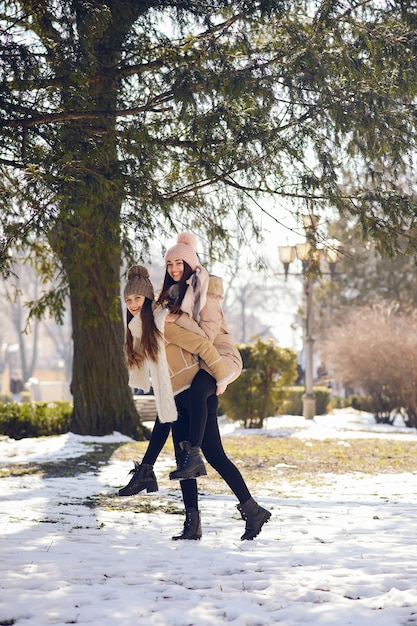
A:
(213, 326)
(177, 363)
(181, 345)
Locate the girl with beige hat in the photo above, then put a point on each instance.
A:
(196, 297)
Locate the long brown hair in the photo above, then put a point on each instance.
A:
(148, 347)
(182, 288)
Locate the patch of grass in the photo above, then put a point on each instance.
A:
(137, 504)
(264, 460)
(259, 452)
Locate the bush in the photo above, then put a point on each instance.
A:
(34, 419)
(381, 362)
(260, 391)
(360, 403)
(293, 404)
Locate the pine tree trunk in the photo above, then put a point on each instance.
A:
(103, 402)
(91, 254)
(88, 238)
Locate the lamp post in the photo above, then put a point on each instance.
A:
(307, 252)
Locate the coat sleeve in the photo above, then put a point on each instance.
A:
(202, 347)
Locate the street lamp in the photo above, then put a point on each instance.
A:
(333, 254)
(308, 253)
(286, 256)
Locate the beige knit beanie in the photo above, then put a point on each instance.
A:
(138, 283)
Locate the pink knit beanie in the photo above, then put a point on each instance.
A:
(184, 249)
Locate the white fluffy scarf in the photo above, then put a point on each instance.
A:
(196, 295)
(161, 381)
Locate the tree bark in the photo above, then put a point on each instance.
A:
(103, 401)
(88, 239)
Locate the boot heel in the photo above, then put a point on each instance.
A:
(255, 517)
(143, 477)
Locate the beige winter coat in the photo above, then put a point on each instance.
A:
(213, 325)
(177, 363)
(183, 347)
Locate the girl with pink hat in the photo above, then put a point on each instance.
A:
(194, 303)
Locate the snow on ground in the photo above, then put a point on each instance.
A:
(341, 552)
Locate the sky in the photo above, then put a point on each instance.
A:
(335, 553)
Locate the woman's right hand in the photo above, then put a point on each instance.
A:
(221, 389)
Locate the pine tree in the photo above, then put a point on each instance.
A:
(121, 119)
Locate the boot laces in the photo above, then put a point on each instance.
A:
(243, 514)
(135, 469)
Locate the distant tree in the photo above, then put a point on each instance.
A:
(18, 293)
(245, 294)
(14, 293)
(61, 339)
(241, 311)
(364, 277)
(374, 350)
(259, 392)
(121, 119)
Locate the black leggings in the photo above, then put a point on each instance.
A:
(202, 387)
(157, 441)
(212, 448)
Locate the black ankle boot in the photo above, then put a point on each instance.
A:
(255, 517)
(143, 478)
(192, 526)
(191, 464)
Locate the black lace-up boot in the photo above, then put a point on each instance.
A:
(143, 478)
(191, 464)
(254, 516)
(192, 526)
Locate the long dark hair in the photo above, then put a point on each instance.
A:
(149, 340)
(164, 296)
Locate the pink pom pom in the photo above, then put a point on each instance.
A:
(187, 238)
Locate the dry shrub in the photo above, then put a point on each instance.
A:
(375, 351)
